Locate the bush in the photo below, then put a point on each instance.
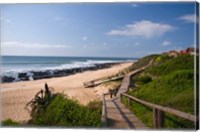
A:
(143, 79)
(66, 112)
(10, 122)
(95, 106)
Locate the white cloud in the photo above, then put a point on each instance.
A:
(143, 28)
(166, 43)
(188, 18)
(134, 5)
(84, 38)
(16, 44)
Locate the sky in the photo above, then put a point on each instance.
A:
(96, 29)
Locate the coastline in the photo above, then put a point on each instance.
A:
(36, 75)
(15, 95)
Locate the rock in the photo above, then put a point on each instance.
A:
(7, 79)
(35, 75)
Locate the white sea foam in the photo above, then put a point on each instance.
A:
(14, 71)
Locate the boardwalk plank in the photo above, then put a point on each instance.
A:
(118, 115)
(121, 117)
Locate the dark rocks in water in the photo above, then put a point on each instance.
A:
(23, 76)
(7, 79)
(40, 75)
(55, 73)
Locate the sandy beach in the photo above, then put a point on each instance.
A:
(16, 95)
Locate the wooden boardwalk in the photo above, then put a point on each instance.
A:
(116, 115)
(119, 116)
(126, 81)
(96, 82)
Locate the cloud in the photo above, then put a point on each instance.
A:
(143, 28)
(134, 5)
(166, 43)
(188, 18)
(84, 38)
(32, 45)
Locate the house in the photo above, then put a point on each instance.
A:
(183, 52)
(173, 53)
(192, 51)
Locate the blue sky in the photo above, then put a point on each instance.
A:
(96, 29)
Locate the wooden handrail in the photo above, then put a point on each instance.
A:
(104, 109)
(104, 112)
(164, 109)
(102, 80)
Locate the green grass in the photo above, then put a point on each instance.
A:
(170, 64)
(10, 122)
(143, 79)
(168, 82)
(140, 63)
(62, 112)
(146, 115)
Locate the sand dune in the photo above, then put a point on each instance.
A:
(16, 95)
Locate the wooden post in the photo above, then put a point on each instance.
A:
(92, 83)
(161, 115)
(129, 101)
(121, 97)
(158, 118)
(104, 112)
(115, 92)
(155, 117)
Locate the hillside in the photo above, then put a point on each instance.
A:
(169, 81)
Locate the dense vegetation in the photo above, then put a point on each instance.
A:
(66, 112)
(168, 82)
(10, 122)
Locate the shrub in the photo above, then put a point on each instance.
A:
(66, 112)
(95, 106)
(144, 79)
(10, 122)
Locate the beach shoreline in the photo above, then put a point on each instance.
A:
(36, 75)
(16, 95)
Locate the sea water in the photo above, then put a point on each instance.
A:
(13, 65)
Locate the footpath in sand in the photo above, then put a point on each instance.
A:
(16, 95)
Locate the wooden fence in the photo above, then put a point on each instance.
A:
(102, 80)
(104, 110)
(159, 111)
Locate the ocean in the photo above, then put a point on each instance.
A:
(12, 66)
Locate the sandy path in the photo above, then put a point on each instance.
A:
(16, 95)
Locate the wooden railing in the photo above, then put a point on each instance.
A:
(104, 111)
(159, 111)
(102, 80)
